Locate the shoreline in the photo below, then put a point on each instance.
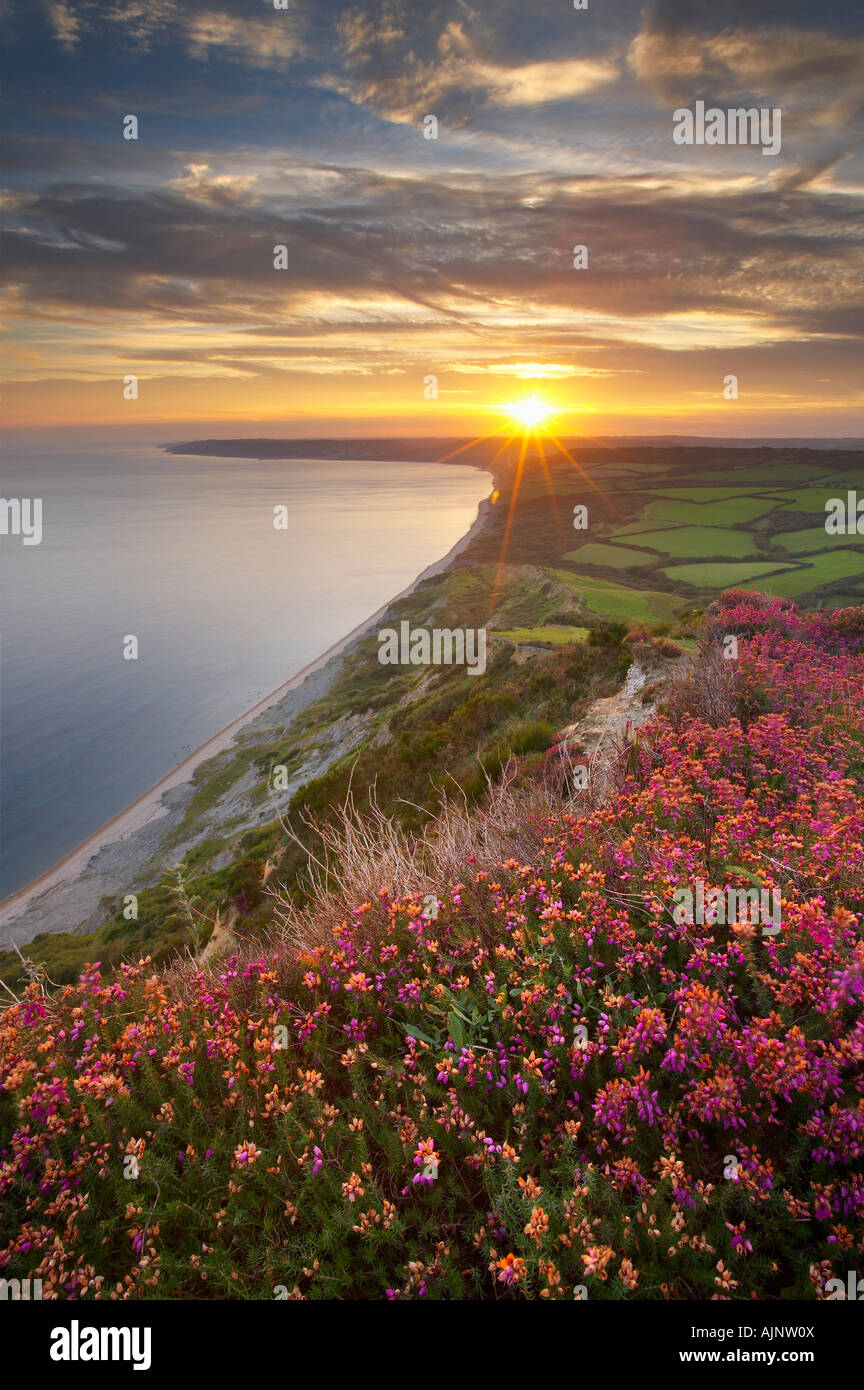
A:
(148, 807)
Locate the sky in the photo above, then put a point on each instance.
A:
(428, 283)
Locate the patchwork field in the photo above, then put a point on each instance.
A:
(721, 576)
(618, 556)
(634, 528)
(813, 499)
(810, 539)
(706, 494)
(686, 541)
(739, 526)
(792, 473)
(735, 510)
(822, 569)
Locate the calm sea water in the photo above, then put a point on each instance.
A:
(182, 553)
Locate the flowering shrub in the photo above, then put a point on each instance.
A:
(579, 1097)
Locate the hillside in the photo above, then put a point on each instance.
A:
(511, 1068)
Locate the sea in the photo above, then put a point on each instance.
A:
(183, 555)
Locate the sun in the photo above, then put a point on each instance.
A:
(530, 412)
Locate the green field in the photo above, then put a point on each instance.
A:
(736, 510)
(706, 494)
(618, 603)
(820, 569)
(689, 522)
(558, 635)
(813, 499)
(684, 542)
(714, 576)
(608, 556)
(780, 477)
(634, 528)
(813, 538)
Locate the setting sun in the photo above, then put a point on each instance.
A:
(530, 412)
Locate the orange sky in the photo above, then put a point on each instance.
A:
(409, 258)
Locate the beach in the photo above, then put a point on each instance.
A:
(125, 849)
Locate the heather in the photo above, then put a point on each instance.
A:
(533, 1081)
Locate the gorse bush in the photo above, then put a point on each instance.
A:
(541, 1084)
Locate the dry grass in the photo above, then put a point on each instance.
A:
(363, 850)
(367, 850)
(705, 689)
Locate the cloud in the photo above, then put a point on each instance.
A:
(813, 173)
(818, 73)
(382, 71)
(672, 262)
(137, 22)
(270, 43)
(143, 22)
(65, 22)
(455, 257)
(535, 84)
(716, 16)
(197, 183)
(526, 371)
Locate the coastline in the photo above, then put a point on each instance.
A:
(149, 807)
